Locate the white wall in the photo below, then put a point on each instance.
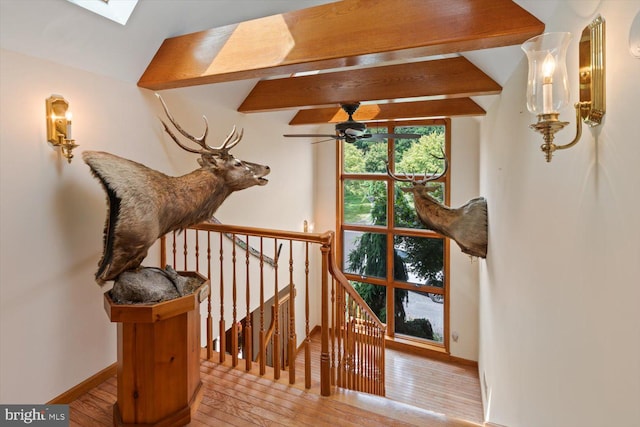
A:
(53, 327)
(559, 318)
(463, 292)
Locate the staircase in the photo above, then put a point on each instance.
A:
(270, 290)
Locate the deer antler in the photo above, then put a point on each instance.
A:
(222, 151)
(412, 178)
(233, 137)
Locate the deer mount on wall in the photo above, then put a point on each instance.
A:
(466, 225)
(144, 204)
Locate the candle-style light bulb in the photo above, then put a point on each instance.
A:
(548, 67)
(68, 116)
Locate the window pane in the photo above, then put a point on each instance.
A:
(421, 260)
(365, 202)
(404, 213)
(420, 156)
(375, 296)
(418, 315)
(365, 253)
(366, 156)
(417, 262)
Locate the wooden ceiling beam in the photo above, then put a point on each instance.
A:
(452, 77)
(456, 107)
(344, 33)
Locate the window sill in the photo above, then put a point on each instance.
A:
(424, 349)
(415, 346)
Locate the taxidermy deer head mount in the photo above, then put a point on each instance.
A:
(467, 225)
(144, 204)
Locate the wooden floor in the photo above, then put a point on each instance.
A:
(447, 388)
(231, 397)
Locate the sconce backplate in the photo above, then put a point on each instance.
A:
(57, 108)
(592, 72)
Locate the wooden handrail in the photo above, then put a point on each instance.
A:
(321, 238)
(327, 238)
(272, 325)
(352, 336)
(341, 278)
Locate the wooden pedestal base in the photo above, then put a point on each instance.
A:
(158, 359)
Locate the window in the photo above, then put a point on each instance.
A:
(118, 11)
(397, 266)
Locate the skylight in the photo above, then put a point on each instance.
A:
(116, 10)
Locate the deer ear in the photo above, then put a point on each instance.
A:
(208, 161)
(431, 188)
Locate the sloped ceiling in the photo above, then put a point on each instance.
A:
(62, 32)
(349, 57)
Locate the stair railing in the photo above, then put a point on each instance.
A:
(247, 266)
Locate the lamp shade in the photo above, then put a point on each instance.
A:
(547, 82)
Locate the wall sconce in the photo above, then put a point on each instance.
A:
(547, 87)
(59, 125)
(307, 226)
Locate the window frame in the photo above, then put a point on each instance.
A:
(390, 230)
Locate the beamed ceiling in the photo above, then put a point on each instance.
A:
(399, 57)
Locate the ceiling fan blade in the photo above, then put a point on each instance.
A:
(397, 135)
(322, 140)
(371, 137)
(312, 135)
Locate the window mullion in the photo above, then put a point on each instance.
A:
(390, 227)
(413, 246)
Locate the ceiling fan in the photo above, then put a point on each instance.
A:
(352, 131)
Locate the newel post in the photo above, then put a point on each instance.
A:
(325, 367)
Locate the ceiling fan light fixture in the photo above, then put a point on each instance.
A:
(351, 131)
